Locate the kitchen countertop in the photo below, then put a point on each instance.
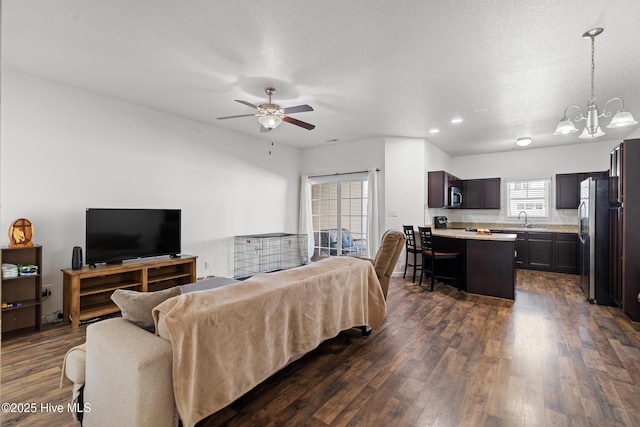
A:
(550, 228)
(470, 235)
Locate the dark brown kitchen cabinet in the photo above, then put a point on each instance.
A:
(630, 227)
(568, 188)
(565, 253)
(476, 193)
(540, 246)
(522, 250)
(436, 189)
(481, 193)
(472, 194)
(490, 193)
(615, 255)
(547, 251)
(439, 184)
(616, 174)
(567, 191)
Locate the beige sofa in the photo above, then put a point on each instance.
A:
(128, 376)
(133, 377)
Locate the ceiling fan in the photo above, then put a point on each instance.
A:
(271, 115)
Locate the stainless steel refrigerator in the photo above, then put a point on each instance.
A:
(593, 231)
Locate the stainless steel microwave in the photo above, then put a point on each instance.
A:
(456, 197)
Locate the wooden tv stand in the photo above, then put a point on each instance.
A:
(87, 292)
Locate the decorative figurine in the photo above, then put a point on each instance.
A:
(21, 233)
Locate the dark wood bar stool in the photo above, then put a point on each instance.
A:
(431, 256)
(411, 247)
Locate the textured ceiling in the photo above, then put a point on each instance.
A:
(369, 69)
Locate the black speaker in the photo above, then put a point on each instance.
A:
(76, 258)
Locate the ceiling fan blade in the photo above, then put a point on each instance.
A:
(233, 117)
(248, 104)
(264, 129)
(297, 122)
(297, 109)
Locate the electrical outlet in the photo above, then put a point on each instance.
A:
(46, 290)
(207, 264)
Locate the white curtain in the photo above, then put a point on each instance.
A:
(305, 222)
(373, 228)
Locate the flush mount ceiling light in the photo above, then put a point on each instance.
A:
(523, 142)
(622, 117)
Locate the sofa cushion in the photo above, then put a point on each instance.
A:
(347, 240)
(333, 236)
(136, 306)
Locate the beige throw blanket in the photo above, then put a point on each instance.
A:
(228, 340)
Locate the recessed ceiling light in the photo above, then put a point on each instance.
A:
(456, 120)
(434, 130)
(523, 142)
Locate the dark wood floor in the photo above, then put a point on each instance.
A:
(441, 359)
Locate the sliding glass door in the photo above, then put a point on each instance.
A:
(339, 212)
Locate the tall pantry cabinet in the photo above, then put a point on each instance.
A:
(624, 222)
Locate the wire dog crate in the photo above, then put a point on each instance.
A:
(263, 253)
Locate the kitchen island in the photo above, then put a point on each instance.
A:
(487, 263)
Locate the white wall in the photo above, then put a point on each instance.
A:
(346, 157)
(402, 179)
(63, 150)
(586, 157)
(404, 184)
(634, 134)
(435, 160)
(407, 161)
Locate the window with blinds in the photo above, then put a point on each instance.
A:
(530, 196)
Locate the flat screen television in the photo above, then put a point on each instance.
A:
(115, 235)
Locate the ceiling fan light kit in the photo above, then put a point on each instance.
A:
(271, 115)
(270, 121)
(622, 118)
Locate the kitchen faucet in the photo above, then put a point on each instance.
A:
(527, 224)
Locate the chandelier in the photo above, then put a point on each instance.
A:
(621, 118)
